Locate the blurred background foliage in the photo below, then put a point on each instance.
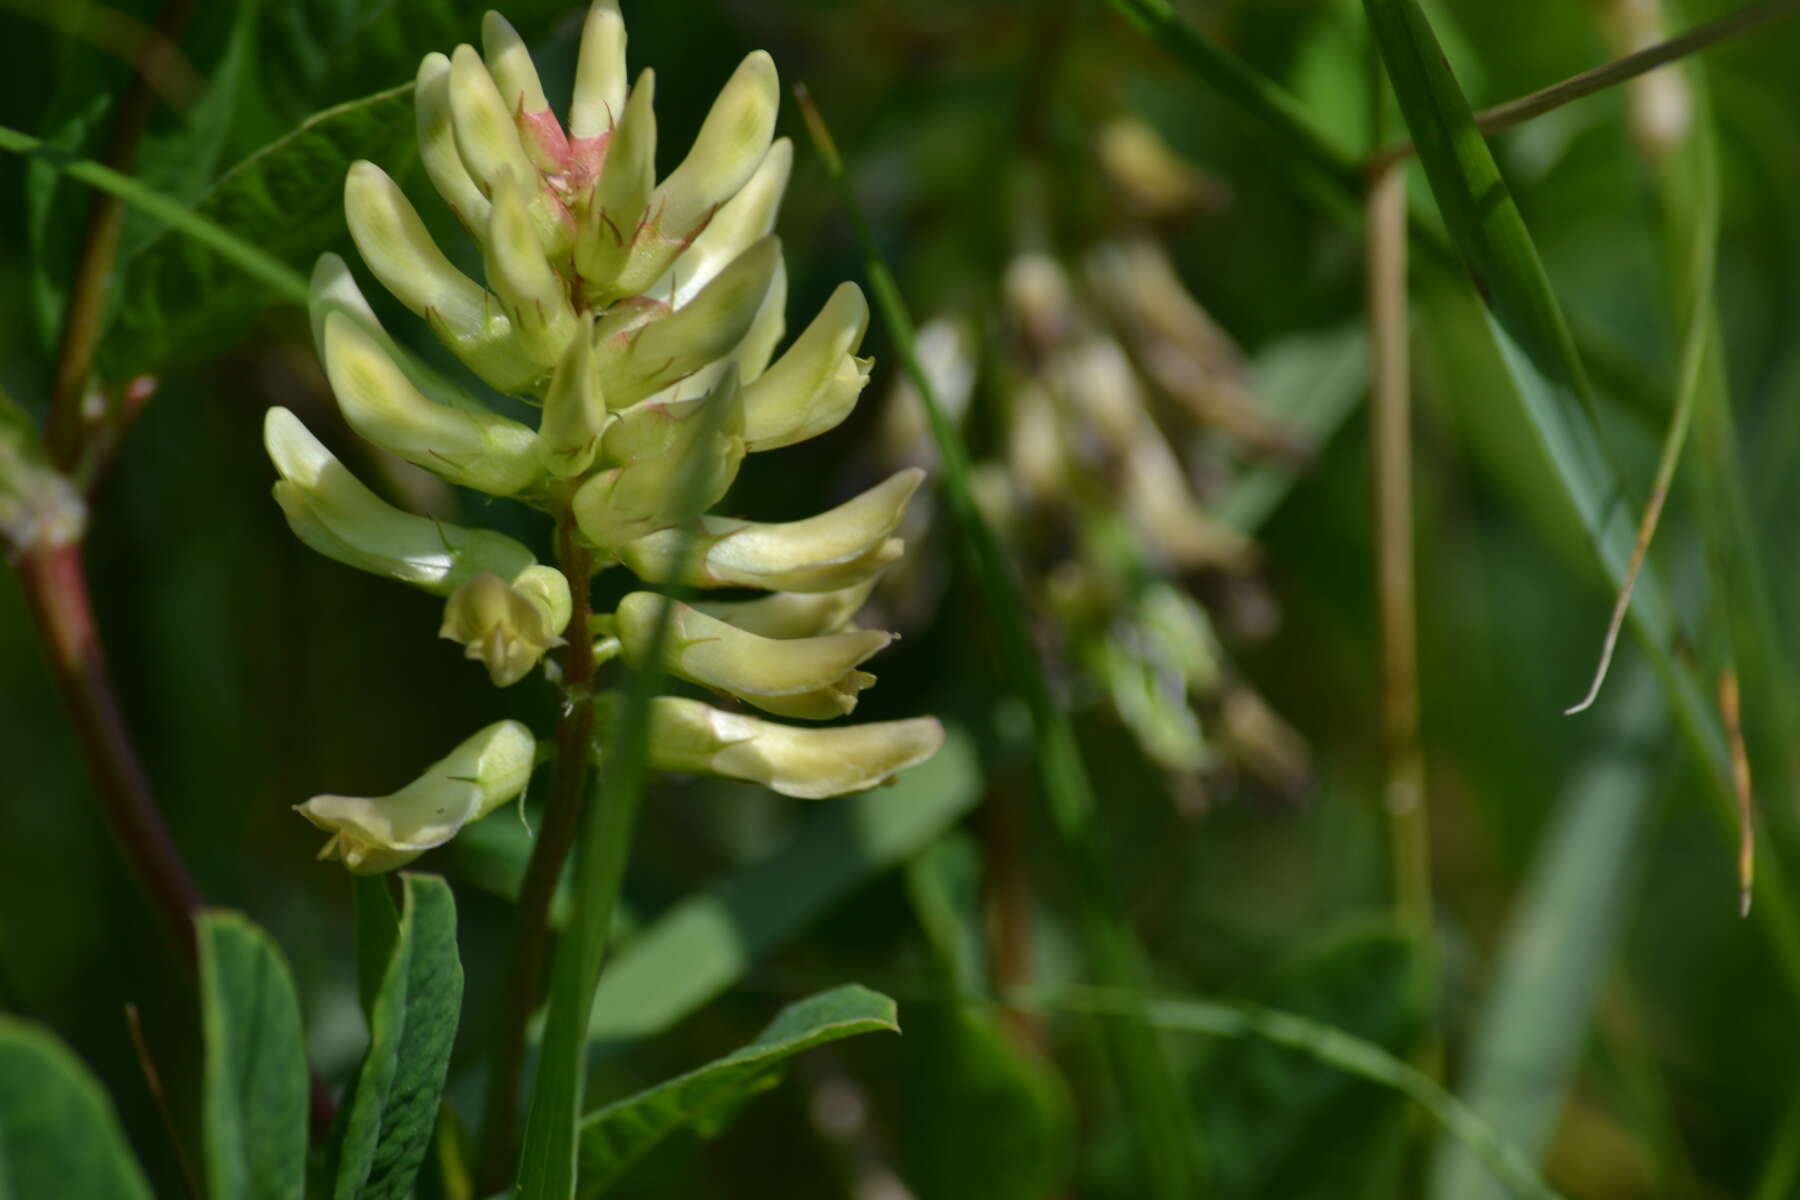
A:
(1590, 987)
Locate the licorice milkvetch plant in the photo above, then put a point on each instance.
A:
(641, 316)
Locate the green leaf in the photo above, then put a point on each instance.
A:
(182, 161)
(1557, 950)
(378, 930)
(393, 1109)
(705, 943)
(54, 215)
(255, 1113)
(59, 1135)
(615, 1137)
(181, 300)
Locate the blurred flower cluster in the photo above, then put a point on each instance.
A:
(1112, 407)
(641, 318)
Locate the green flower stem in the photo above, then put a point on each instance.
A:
(562, 820)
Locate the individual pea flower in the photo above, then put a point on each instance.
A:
(641, 316)
(372, 835)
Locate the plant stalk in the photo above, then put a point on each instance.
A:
(56, 590)
(549, 853)
(1390, 388)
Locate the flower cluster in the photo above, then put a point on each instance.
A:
(642, 318)
(1120, 407)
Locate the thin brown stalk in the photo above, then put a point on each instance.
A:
(1391, 404)
(1576, 87)
(562, 818)
(1731, 716)
(153, 1081)
(84, 320)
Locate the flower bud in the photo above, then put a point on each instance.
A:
(437, 146)
(575, 413)
(616, 207)
(813, 677)
(815, 384)
(508, 627)
(811, 764)
(535, 296)
(753, 353)
(833, 550)
(791, 614)
(486, 137)
(509, 65)
(398, 249)
(331, 511)
(746, 218)
(600, 76)
(489, 142)
(462, 443)
(376, 834)
(731, 142)
(649, 449)
(38, 506)
(706, 328)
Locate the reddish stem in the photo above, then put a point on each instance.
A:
(56, 587)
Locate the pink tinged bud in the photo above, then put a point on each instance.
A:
(398, 249)
(437, 146)
(811, 764)
(509, 62)
(732, 141)
(535, 296)
(836, 549)
(488, 140)
(461, 442)
(814, 678)
(616, 206)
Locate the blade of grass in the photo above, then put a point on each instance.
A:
(1558, 946)
(1390, 390)
(1688, 186)
(1164, 1124)
(1326, 1043)
(547, 1162)
(247, 257)
(1534, 340)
